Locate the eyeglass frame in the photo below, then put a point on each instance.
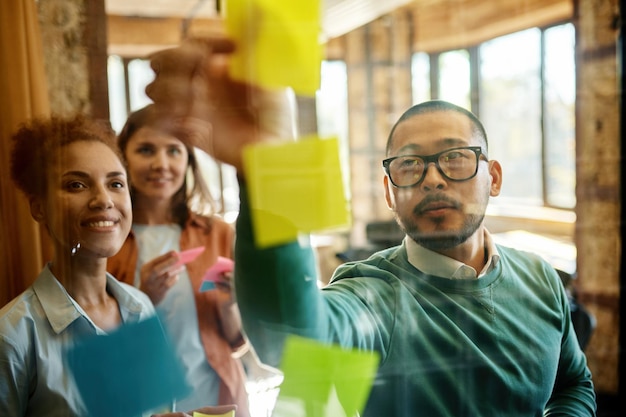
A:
(434, 158)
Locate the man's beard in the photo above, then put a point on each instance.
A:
(444, 239)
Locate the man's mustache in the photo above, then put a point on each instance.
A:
(434, 199)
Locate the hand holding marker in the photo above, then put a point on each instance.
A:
(215, 274)
(187, 256)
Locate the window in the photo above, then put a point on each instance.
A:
(454, 77)
(522, 86)
(332, 109)
(510, 108)
(128, 79)
(559, 109)
(117, 92)
(420, 76)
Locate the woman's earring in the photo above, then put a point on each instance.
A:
(75, 249)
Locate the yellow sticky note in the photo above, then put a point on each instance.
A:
(324, 380)
(226, 414)
(295, 187)
(278, 43)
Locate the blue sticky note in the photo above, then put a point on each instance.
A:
(206, 286)
(127, 372)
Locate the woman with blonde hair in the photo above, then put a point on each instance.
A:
(204, 325)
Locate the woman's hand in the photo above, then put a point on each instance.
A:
(228, 309)
(192, 88)
(159, 275)
(225, 284)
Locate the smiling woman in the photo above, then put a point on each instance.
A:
(80, 203)
(173, 211)
(87, 208)
(75, 182)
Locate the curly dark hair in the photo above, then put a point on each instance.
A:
(198, 194)
(37, 139)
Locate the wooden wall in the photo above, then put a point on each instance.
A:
(75, 52)
(598, 183)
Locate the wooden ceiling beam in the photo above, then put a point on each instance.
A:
(448, 24)
(437, 25)
(134, 37)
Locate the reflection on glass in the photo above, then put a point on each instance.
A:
(559, 120)
(454, 77)
(510, 108)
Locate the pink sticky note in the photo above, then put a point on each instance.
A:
(189, 255)
(221, 266)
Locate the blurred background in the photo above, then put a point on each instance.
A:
(545, 77)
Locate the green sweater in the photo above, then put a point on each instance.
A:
(502, 345)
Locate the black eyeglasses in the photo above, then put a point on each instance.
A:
(456, 164)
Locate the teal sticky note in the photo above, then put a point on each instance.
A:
(130, 371)
(207, 286)
(324, 380)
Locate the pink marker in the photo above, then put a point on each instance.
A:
(187, 256)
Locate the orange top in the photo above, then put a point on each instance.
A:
(217, 237)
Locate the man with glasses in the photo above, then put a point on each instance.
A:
(463, 327)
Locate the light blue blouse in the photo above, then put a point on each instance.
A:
(35, 329)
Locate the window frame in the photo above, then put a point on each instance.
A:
(549, 209)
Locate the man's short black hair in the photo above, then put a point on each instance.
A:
(432, 106)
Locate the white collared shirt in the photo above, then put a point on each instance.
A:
(433, 263)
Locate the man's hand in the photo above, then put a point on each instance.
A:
(212, 111)
(210, 411)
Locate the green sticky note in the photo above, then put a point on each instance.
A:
(324, 380)
(295, 187)
(278, 43)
